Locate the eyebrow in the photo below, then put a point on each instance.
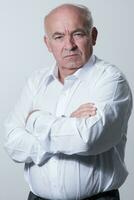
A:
(79, 30)
(60, 33)
(56, 33)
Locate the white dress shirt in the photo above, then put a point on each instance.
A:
(71, 158)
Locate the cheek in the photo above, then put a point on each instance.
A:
(56, 51)
(86, 50)
(58, 56)
(84, 47)
(83, 44)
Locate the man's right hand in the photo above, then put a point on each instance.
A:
(84, 111)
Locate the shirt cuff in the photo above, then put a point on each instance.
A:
(39, 125)
(31, 121)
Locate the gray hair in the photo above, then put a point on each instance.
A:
(85, 12)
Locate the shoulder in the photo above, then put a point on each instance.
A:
(40, 74)
(110, 83)
(38, 77)
(107, 70)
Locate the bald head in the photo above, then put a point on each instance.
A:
(70, 37)
(79, 10)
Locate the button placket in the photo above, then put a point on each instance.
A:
(54, 176)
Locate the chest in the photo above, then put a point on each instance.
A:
(61, 100)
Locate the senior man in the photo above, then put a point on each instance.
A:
(69, 126)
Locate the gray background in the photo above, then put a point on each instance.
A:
(22, 51)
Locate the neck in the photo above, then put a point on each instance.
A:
(63, 73)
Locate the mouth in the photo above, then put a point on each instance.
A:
(71, 55)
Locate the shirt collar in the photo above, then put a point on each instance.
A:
(52, 74)
(83, 72)
(79, 74)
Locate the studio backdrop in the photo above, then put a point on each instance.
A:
(22, 51)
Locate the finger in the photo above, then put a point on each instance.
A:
(93, 113)
(83, 114)
(87, 105)
(75, 113)
(88, 109)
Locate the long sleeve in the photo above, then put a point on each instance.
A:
(93, 135)
(21, 145)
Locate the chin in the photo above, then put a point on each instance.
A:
(73, 65)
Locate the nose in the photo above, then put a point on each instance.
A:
(70, 44)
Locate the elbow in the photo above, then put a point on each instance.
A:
(105, 139)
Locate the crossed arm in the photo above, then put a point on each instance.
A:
(25, 146)
(85, 110)
(36, 136)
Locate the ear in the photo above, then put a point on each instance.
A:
(47, 42)
(94, 34)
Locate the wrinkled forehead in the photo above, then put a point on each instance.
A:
(67, 18)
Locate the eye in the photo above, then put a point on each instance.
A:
(78, 34)
(58, 37)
